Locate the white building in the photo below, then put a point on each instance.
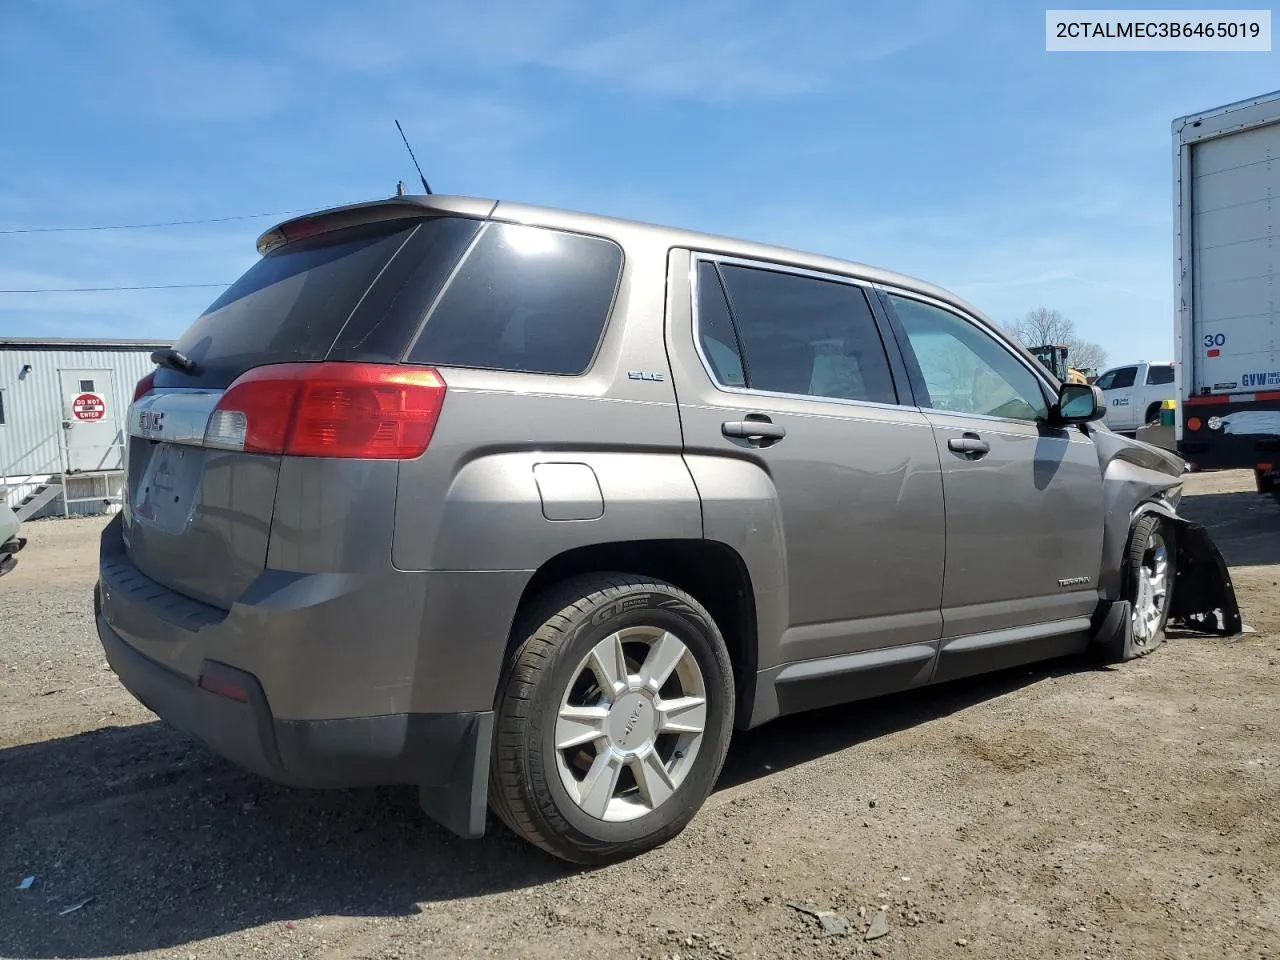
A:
(62, 410)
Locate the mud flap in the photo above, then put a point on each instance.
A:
(1113, 632)
(461, 803)
(1204, 599)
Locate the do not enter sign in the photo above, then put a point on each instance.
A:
(88, 406)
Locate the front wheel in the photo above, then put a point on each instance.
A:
(1150, 569)
(613, 719)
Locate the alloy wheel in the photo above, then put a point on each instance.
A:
(1153, 590)
(630, 723)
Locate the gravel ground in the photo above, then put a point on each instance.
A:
(1062, 811)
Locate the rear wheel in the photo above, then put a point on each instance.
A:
(613, 720)
(1150, 567)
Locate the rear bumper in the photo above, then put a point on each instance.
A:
(446, 755)
(324, 680)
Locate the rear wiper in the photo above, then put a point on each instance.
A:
(175, 360)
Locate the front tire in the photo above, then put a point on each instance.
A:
(1150, 567)
(613, 719)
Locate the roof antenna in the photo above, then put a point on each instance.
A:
(421, 176)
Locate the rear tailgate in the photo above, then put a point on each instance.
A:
(197, 519)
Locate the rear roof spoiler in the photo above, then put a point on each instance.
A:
(373, 211)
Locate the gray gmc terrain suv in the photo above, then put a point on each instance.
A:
(531, 509)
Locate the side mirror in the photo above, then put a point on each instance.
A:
(1079, 403)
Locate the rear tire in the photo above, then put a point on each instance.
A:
(1150, 567)
(613, 719)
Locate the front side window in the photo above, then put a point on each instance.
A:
(1117, 379)
(526, 299)
(965, 369)
(800, 335)
(1159, 374)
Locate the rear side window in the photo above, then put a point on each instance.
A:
(801, 336)
(1159, 375)
(716, 336)
(526, 299)
(289, 306)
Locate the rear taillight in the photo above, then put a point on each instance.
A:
(144, 386)
(354, 410)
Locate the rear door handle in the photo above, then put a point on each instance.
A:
(755, 431)
(971, 445)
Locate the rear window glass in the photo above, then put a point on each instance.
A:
(527, 299)
(391, 313)
(289, 306)
(715, 329)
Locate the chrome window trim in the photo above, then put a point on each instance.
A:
(697, 258)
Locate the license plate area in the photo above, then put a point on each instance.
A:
(165, 495)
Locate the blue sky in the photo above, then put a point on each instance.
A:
(934, 138)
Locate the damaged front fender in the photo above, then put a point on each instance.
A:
(1204, 599)
(1138, 479)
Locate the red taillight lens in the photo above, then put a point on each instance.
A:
(354, 410)
(144, 386)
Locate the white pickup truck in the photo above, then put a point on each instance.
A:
(1135, 392)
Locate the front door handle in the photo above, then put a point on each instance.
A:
(753, 430)
(971, 445)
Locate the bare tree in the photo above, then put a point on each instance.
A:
(1086, 355)
(1047, 326)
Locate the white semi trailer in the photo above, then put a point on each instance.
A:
(1227, 287)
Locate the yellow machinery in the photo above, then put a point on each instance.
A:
(1054, 358)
